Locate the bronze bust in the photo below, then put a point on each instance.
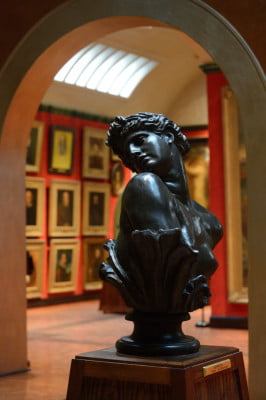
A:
(162, 259)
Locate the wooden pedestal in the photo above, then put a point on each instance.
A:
(213, 373)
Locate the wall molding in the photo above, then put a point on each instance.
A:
(74, 113)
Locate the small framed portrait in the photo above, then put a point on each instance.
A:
(117, 179)
(35, 203)
(34, 148)
(196, 164)
(35, 258)
(64, 208)
(96, 155)
(63, 265)
(96, 199)
(61, 150)
(93, 255)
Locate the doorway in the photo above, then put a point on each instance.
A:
(246, 80)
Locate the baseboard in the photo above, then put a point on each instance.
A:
(230, 322)
(53, 300)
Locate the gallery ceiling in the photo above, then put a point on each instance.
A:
(175, 86)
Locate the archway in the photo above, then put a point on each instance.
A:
(23, 89)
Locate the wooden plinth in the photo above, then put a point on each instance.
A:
(213, 373)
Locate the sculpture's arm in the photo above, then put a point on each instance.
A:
(148, 204)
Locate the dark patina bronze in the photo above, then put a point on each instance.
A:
(162, 260)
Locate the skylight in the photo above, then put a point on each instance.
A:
(105, 69)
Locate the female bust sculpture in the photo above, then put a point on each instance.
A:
(162, 259)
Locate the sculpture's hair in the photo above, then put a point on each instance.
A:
(159, 124)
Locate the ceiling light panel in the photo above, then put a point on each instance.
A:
(105, 69)
(136, 78)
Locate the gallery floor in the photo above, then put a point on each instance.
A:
(57, 333)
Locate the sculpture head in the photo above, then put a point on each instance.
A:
(123, 130)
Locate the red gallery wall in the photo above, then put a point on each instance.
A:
(70, 121)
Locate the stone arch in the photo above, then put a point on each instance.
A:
(22, 87)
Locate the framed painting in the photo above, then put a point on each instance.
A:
(64, 208)
(235, 200)
(96, 155)
(96, 199)
(117, 179)
(35, 253)
(34, 148)
(196, 164)
(63, 265)
(93, 255)
(35, 203)
(61, 150)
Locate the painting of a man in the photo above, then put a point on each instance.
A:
(197, 169)
(65, 208)
(63, 266)
(96, 153)
(96, 257)
(31, 209)
(96, 208)
(32, 147)
(117, 179)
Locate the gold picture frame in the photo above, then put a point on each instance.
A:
(95, 154)
(93, 255)
(235, 213)
(117, 179)
(96, 199)
(196, 164)
(34, 148)
(61, 150)
(64, 208)
(35, 249)
(35, 206)
(63, 265)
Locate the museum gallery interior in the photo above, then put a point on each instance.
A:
(68, 68)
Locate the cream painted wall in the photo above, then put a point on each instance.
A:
(190, 107)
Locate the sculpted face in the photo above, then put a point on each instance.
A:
(149, 152)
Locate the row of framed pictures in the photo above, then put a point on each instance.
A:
(95, 154)
(63, 265)
(64, 208)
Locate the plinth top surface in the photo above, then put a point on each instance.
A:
(204, 354)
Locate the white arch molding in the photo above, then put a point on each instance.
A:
(23, 82)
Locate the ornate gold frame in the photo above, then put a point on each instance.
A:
(96, 218)
(37, 187)
(34, 149)
(34, 282)
(95, 161)
(57, 246)
(237, 292)
(57, 187)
